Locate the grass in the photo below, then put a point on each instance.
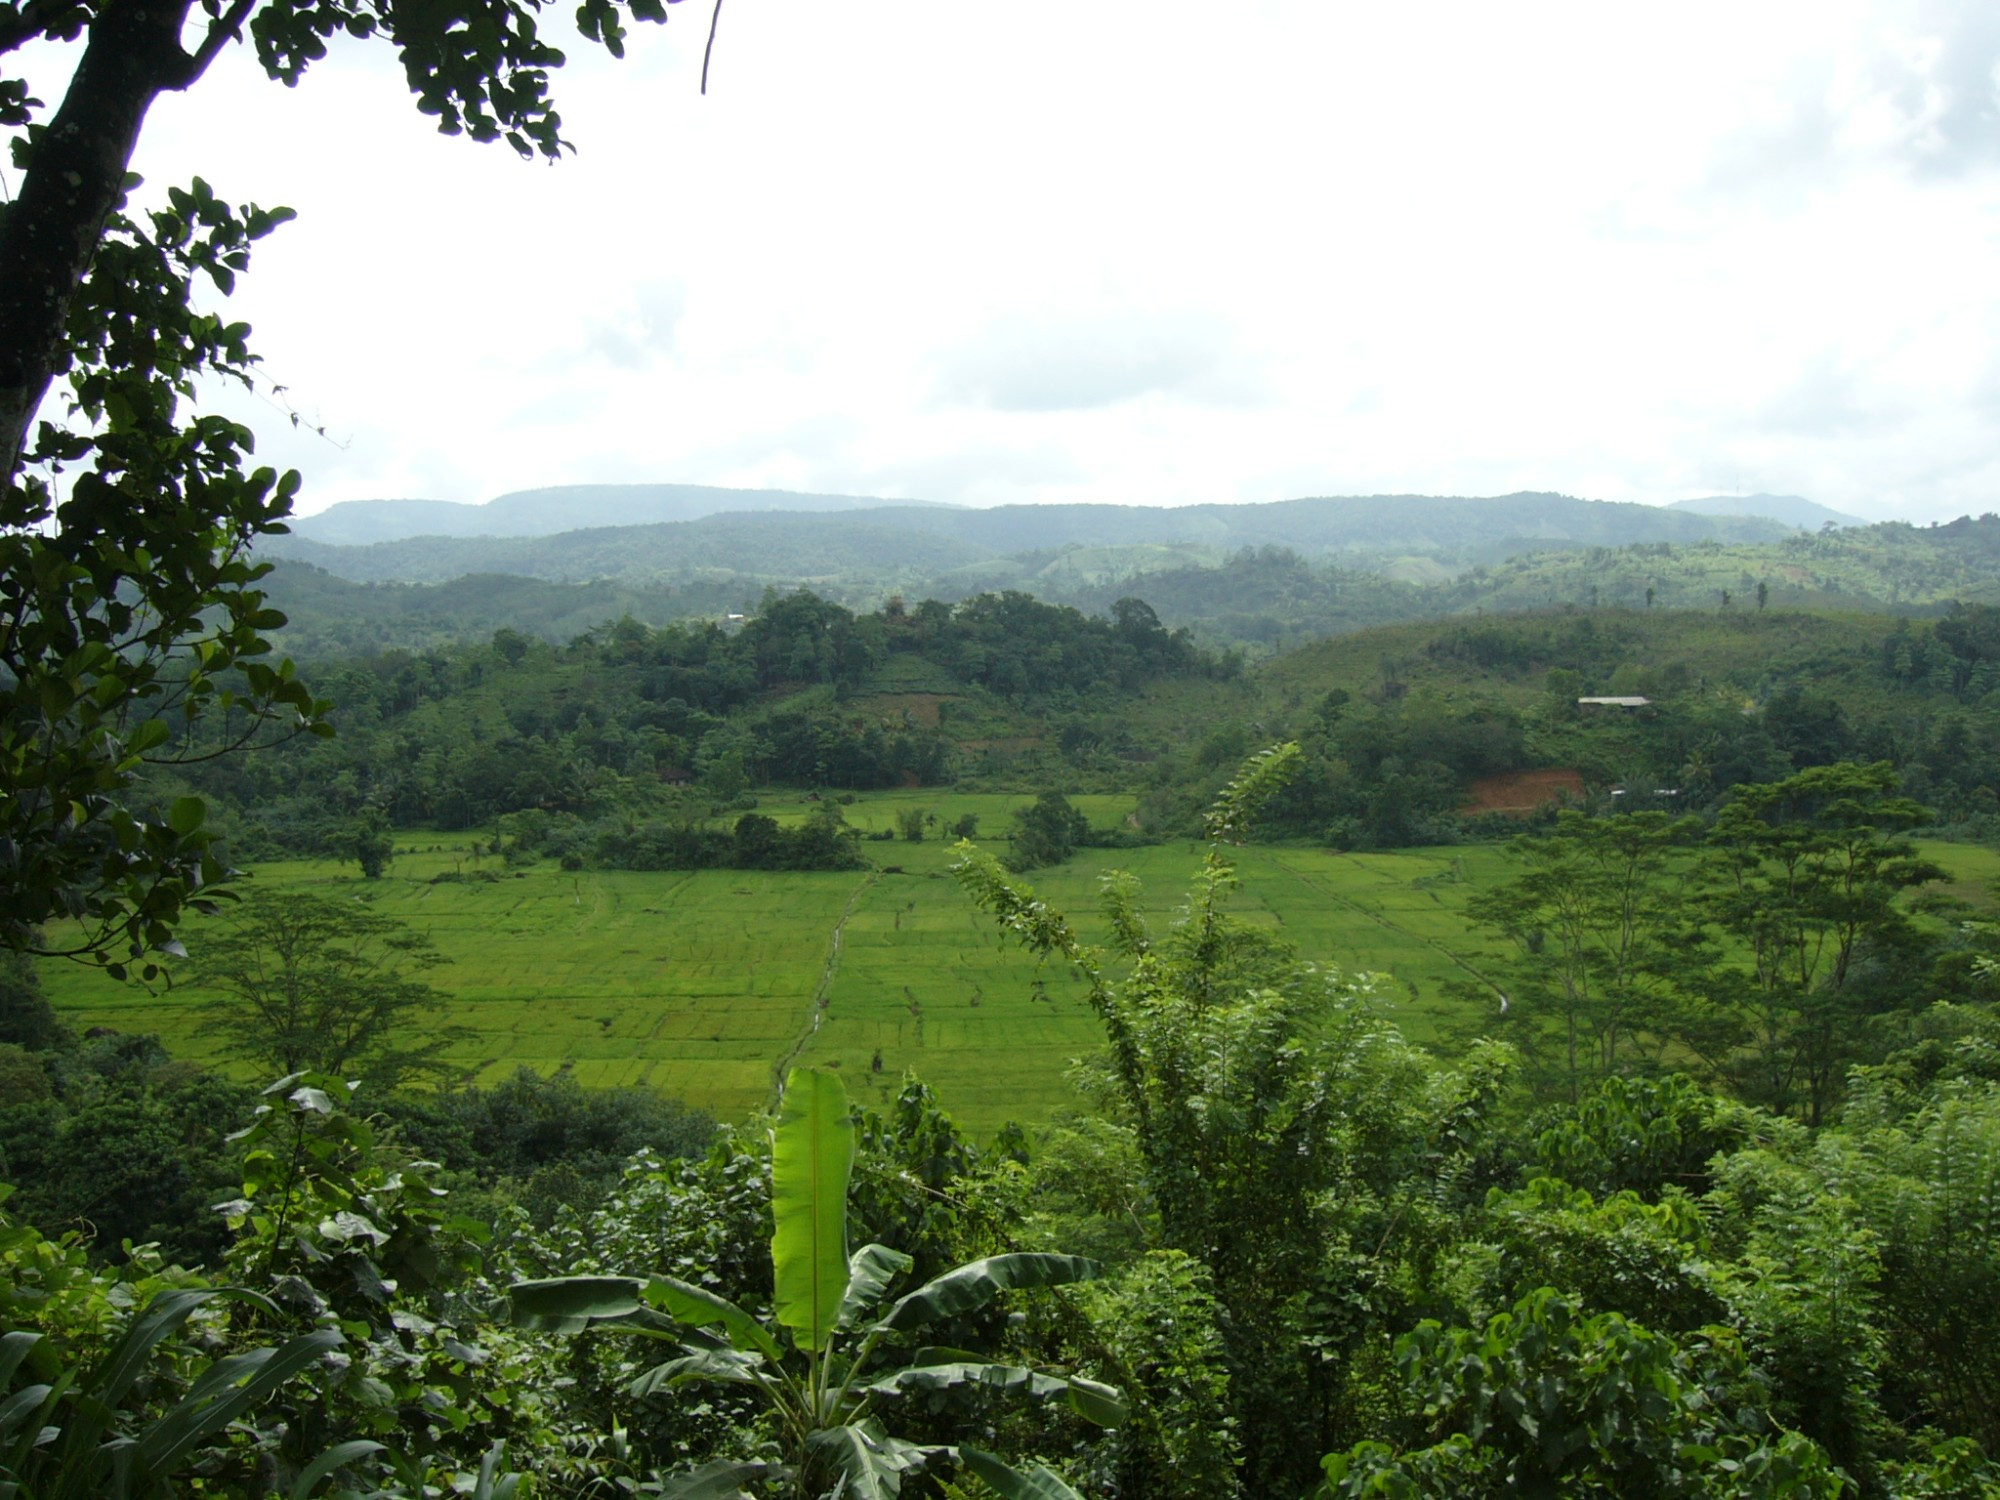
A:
(702, 985)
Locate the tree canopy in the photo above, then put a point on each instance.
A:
(311, 985)
(129, 606)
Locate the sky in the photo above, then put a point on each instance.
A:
(1147, 253)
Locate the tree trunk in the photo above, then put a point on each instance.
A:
(76, 178)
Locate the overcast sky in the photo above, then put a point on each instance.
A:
(1151, 252)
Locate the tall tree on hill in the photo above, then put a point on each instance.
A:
(1806, 874)
(126, 593)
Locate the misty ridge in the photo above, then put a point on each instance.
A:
(555, 562)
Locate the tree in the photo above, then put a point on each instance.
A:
(373, 847)
(1606, 945)
(480, 67)
(1805, 875)
(311, 985)
(129, 607)
(1046, 832)
(126, 591)
(1258, 1092)
(26, 1017)
(845, 1365)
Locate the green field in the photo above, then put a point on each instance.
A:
(701, 985)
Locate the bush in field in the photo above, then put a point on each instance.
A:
(1046, 833)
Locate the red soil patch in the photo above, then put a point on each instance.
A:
(1521, 792)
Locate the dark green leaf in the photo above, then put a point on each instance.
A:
(1011, 1484)
(570, 1304)
(721, 1480)
(339, 1456)
(698, 1307)
(870, 1272)
(975, 1284)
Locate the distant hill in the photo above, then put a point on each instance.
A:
(1460, 528)
(893, 546)
(1264, 597)
(784, 547)
(332, 616)
(1792, 510)
(574, 507)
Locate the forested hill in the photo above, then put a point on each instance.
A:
(806, 694)
(1266, 597)
(1401, 726)
(938, 546)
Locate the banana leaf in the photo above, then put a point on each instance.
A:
(871, 1463)
(723, 1366)
(570, 1304)
(973, 1285)
(812, 1153)
(1091, 1400)
(870, 1272)
(697, 1307)
(1010, 1483)
(721, 1480)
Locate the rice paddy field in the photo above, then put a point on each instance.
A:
(705, 985)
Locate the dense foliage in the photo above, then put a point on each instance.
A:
(1400, 729)
(618, 748)
(1321, 1257)
(1714, 1215)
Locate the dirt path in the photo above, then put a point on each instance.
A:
(823, 994)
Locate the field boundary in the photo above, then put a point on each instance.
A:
(822, 993)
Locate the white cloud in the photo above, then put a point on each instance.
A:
(1091, 357)
(1161, 252)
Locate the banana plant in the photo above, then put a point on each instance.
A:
(849, 1359)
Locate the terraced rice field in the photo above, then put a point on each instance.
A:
(703, 985)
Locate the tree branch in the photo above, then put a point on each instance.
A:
(713, 16)
(75, 180)
(226, 29)
(35, 19)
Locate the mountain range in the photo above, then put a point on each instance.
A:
(544, 512)
(777, 536)
(1260, 577)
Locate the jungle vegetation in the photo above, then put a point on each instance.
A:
(1711, 1213)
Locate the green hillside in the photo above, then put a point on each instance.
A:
(1229, 589)
(885, 546)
